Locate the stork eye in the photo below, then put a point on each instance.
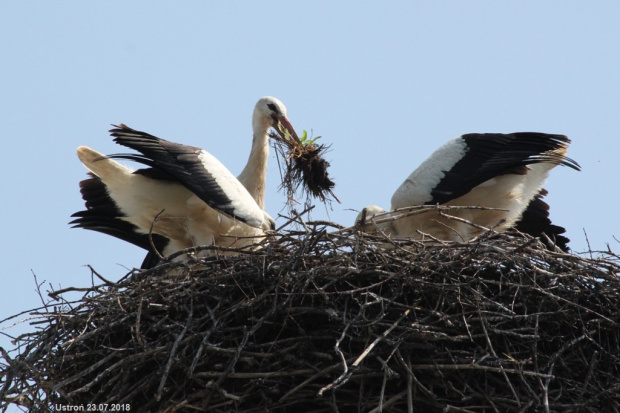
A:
(273, 107)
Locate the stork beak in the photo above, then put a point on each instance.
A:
(284, 127)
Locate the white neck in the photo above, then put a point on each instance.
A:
(254, 175)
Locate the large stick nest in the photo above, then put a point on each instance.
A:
(336, 322)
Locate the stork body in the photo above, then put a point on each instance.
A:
(502, 171)
(185, 197)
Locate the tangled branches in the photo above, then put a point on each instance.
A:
(324, 322)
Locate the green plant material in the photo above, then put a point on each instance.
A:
(305, 140)
(304, 165)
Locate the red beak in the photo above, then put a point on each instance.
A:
(286, 126)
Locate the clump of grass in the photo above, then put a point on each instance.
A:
(304, 165)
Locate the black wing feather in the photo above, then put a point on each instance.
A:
(494, 154)
(178, 161)
(535, 221)
(103, 215)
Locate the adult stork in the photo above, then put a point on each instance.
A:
(501, 171)
(186, 197)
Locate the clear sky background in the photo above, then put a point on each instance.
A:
(385, 83)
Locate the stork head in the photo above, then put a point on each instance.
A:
(364, 218)
(268, 112)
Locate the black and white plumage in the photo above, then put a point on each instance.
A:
(186, 197)
(504, 171)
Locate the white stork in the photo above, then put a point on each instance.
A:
(503, 171)
(186, 197)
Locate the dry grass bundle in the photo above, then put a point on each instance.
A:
(335, 322)
(304, 165)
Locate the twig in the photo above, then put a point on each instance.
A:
(347, 372)
(161, 257)
(173, 352)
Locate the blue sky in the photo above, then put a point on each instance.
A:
(385, 83)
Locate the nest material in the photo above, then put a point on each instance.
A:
(305, 166)
(337, 322)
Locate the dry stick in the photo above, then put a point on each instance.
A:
(581, 307)
(259, 375)
(83, 373)
(325, 223)
(347, 373)
(523, 246)
(390, 402)
(463, 239)
(110, 369)
(405, 212)
(108, 282)
(488, 339)
(552, 361)
(10, 373)
(293, 219)
(411, 377)
(229, 351)
(615, 390)
(451, 408)
(173, 352)
(206, 337)
(244, 340)
(585, 234)
(310, 380)
(489, 230)
(551, 242)
(439, 209)
(591, 365)
(240, 251)
(344, 360)
(55, 294)
(334, 405)
(439, 367)
(138, 320)
(426, 236)
(301, 221)
(373, 219)
(245, 250)
(161, 257)
(382, 392)
(159, 269)
(94, 332)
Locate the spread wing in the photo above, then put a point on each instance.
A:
(469, 160)
(194, 168)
